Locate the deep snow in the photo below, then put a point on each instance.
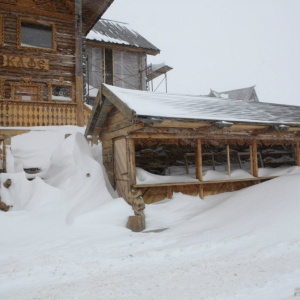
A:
(65, 237)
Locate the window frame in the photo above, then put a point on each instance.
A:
(63, 84)
(15, 85)
(35, 22)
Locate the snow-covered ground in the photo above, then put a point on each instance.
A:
(65, 237)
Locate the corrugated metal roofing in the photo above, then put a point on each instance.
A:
(119, 33)
(158, 105)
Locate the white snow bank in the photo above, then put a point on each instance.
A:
(34, 149)
(65, 238)
(144, 177)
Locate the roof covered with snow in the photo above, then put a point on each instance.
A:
(159, 106)
(114, 32)
(152, 104)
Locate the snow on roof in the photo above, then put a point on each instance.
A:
(153, 104)
(119, 33)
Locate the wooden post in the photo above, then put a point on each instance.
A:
(169, 192)
(228, 159)
(131, 162)
(253, 157)
(297, 153)
(78, 59)
(199, 165)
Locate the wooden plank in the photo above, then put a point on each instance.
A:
(121, 133)
(182, 124)
(205, 182)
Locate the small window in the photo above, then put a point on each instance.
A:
(108, 66)
(62, 91)
(36, 35)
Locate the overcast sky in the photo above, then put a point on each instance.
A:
(222, 44)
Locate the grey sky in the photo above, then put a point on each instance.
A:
(222, 45)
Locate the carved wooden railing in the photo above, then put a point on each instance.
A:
(20, 113)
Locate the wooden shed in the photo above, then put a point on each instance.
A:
(41, 60)
(161, 144)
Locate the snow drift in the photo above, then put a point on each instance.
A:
(65, 238)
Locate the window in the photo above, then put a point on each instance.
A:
(108, 66)
(36, 35)
(61, 91)
(26, 91)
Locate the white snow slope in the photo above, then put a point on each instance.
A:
(65, 237)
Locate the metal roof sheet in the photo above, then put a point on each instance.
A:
(119, 33)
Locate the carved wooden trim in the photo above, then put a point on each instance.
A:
(33, 21)
(1, 30)
(26, 82)
(62, 83)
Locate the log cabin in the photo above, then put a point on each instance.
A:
(41, 59)
(162, 144)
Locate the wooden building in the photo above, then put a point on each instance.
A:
(162, 144)
(41, 59)
(117, 55)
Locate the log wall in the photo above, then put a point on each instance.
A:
(37, 70)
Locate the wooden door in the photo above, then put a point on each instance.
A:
(121, 168)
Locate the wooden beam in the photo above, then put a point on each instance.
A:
(122, 132)
(144, 185)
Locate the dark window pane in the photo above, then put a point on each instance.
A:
(61, 92)
(36, 35)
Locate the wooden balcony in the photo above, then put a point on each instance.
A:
(15, 113)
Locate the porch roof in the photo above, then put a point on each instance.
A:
(143, 104)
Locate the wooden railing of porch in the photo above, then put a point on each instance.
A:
(26, 114)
